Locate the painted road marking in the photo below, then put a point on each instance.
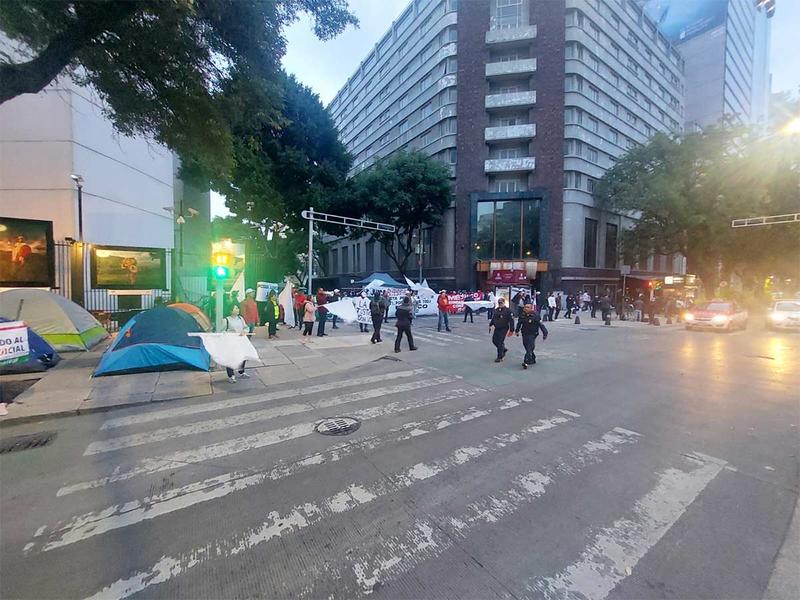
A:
(426, 539)
(194, 409)
(130, 513)
(310, 513)
(615, 551)
(181, 458)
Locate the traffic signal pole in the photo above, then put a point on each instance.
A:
(220, 300)
(310, 249)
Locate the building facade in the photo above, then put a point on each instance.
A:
(529, 102)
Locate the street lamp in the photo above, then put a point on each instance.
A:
(79, 184)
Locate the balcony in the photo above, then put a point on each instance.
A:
(509, 165)
(523, 66)
(509, 132)
(511, 100)
(512, 34)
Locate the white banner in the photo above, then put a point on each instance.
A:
(228, 349)
(345, 309)
(287, 302)
(14, 346)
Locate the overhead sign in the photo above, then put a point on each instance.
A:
(681, 20)
(14, 346)
(507, 276)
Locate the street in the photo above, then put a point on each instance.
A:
(629, 462)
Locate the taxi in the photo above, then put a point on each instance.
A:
(717, 315)
(785, 314)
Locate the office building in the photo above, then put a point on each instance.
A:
(725, 46)
(529, 103)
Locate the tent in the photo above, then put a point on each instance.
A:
(61, 322)
(42, 355)
(155, 340)
(196, 313)
(387, 279)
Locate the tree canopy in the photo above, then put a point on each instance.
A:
(408, 190)
(165, 68)
(685, 191)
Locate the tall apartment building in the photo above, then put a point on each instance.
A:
(530, 102)
(725, 46)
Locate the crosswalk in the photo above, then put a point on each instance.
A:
(437, 464)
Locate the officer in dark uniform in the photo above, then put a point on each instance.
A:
(530, 324)
(503, 323)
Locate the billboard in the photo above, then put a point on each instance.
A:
(27, 256)
(122, 268)
(680, 20)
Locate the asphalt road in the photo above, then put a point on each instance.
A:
(630, 462)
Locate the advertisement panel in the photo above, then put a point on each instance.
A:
(123, 268)
(27, 257)
(681, 20)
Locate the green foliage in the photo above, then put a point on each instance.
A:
(164, 67)
(686, 191)
(408, 190)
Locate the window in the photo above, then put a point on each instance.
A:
(507, 14)
(345, 259)
(369, 254)
(484, 230)
(452, 95)
(530, 229)
(335, 261)
(508, 185)
(385, 140)
(611, 246)
(632, 91)
(594, 63)
(451, 156)
(615, 108)
(451, 66)
(613, 136)
(507, 229)
(594, 125)
(357, 257)
(591, 154)
(426, 138)
(594, 93)
(507, 153)
(590, 243)
(630, 117)
(590, 185)
(576, 179)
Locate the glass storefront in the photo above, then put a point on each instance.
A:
(506, 229)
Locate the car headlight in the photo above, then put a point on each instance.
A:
(689, 317)
(719, 319)
(777, 317)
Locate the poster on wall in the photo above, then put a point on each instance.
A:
(122, 268)
(27, 257)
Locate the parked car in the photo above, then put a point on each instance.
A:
(717, 315)
(785, 314)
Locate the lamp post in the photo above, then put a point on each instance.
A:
(79, 184)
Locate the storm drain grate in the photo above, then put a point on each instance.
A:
(26, 442)
(337, 426)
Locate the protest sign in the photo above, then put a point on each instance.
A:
(14, 347)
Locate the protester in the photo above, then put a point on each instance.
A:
(516, 303)
(570, 306)
(605, 308)
(638, 307)
(235, 323)
(376, 312)
(385, 302)
(307, 316)
(249, 310)
(594, 302)
(363, 315)
(551, 306)
(503, 323)
(322, 312)
(529, 325)
(299, 304)
(273, 314)
(559, 305)
(443, 303)
(335, 298)
(490, 298)
(403, 318)
(468, 312)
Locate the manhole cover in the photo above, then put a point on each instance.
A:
(337, 426)
(26, 442)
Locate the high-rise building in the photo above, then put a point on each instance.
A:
(725, 46)
(530, 102)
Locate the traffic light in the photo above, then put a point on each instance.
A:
(221, 265)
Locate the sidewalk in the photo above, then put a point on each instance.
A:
(69, 389)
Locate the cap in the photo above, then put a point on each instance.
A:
(336, 290)
(249, 291)
(443, 292)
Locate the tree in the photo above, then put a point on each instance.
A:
(160, 65)
(685, 191)
(408, 190)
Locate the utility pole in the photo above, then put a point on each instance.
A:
(310, 218)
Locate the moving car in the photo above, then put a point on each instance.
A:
(785, 314)
(719, 315)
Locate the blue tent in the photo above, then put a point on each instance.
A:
(387, 280)
(42, 355)
(155, 340)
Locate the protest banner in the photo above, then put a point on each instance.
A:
(14, 347)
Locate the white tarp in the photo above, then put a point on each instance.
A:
(344, 309)
(14, 346)
(228, 349)
(479, 304)
(286, 301)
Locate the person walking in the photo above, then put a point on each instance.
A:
(403, 318)
(443, 303)
(468, 312)
(363, 315)
(503, 323)
(376, 311)
(299, 307)
(638, 308)
(530, 324)
(322, 312)
(307, 316)
(272, 314)
(559, 305)
(235, 323)
(490, 298)
(551, 306)
(385, 303)
(570, 306)
(249, 310)
(335, 298)
(605, 308)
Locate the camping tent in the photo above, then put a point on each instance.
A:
(42, 355)
(387, 280)
(155, 340)
(61, 322)
(196, 313)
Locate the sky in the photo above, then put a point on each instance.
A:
(326, 66)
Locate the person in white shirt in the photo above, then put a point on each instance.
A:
(551, 306)
(235, 323)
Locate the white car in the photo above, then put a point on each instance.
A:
(785, 314)
(717, 315)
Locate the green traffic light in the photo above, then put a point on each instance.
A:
(221, 272)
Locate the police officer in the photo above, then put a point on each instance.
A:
(529, 324)
(503, 323)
